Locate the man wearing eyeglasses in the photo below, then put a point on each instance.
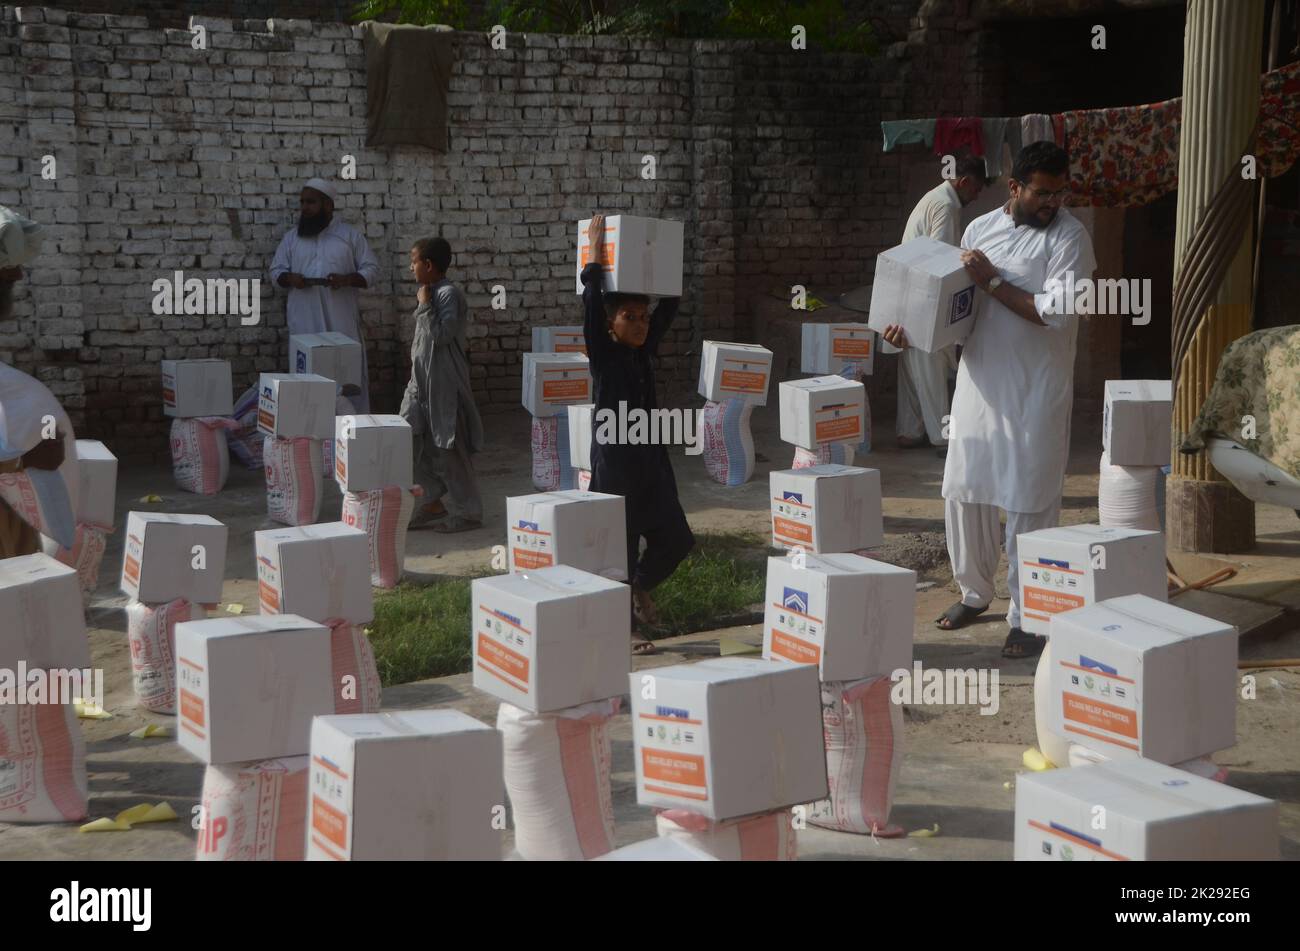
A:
(1010, 431)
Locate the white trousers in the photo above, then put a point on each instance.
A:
(923, 393)
(975, 540)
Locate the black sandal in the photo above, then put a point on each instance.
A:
(1020, 645)
(958, 616)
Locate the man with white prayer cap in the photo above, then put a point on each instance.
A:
(325, 262)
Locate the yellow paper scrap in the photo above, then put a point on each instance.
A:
(1006, 785)
(152, 731)
(234, 609)
(105, 825)
(162, 812)
(1036, 761)
(89, 711)
(152, 498)
(134, 814)
(925, 833)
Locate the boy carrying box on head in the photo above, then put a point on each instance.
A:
(439, 403)
(622, 337)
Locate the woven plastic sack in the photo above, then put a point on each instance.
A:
(584, 479)
(151, 632)
(40, 498)
(557, 776)
(767, 837)
(383, 514)
(200, 454)
(246, 442)
(254, 812)
(42, 763)
(728, 443)
(85, 555)
(294, 479)
(863, 729)
(828, 453)
(552, 470)
(356, 676)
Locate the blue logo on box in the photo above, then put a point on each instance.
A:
(528, 525)
(301, 364)
(792, 497)
(963, 305)
(795, 600)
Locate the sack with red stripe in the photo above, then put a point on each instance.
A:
(728, 444)
(383, 515)
(246, 441)
(557, 776)
(828, 453)
(151, 632)
(200, 454)
(766, 837)
(294, 483)
(552, 470)
(356, 676)
(42, 763)
(863, 728)
(254, 812)
(85, 555)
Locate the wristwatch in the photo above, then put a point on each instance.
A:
(994, 284)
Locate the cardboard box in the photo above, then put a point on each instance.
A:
(319, 571)
(42, 622)
(735, 371)
(334, 356)
(1152, 813)
(97, 483)
(1073, 565)
(197, 388)
(586, 530)
(552, 638)
(174, 556)
(555, 381)
(1136, 421)
(850, 616)
(829, 348)
(581, 418)
(822, 409)
(642, 255)
(728, 737)
(827, 508)
(922, 285)
(296, 404)
(377, 455)
(1134, 676)
(662, 849)
(559, 340)
(248, 687)
(417, 785)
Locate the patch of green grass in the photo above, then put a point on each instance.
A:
(423, 631)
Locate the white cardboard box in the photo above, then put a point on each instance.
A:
(922, 285)
(555, 381)
(374, 452)
(335, 356)
(42, 622)
(417, 785)
(586, 530)
(320, 572)
(1062, 569)
(661, 849)
(1152, 813)
(581, 417)
(827, 508)
(729, 737)
(291, 405)
(97, 481)
(1134, 676)
(197, 388)
(735, 371)
(848, 615)
(1136, 421)
(174, 556)
(559, 340)
(248, 687)
(822, 409)
(829, 348)
(550, 639)
(642, 255)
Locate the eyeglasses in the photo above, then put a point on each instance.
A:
(1046, 195)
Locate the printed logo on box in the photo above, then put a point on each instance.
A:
(963, 305)
(300, 366)
(795, 600)
(792, 497)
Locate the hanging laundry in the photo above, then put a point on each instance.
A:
(1014, 140)
(1278, 143)
(1036, 128)
(1126, 156)
(955, 135)
(995, 133)
(905, 131)
(1058, 129)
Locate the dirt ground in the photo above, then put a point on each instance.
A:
(959, 766)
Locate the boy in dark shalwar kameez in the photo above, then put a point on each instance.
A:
(622, 338)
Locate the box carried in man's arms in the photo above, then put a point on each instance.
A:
(922, 285)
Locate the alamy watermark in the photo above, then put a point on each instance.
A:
(1121, 297)
(655, 427)
(946, 686)
(53, 685)
(181, 295)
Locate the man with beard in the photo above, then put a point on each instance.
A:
(923, 377)
(1010, 431)
(325, 262)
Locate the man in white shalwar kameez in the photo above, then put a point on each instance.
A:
(923, 377)
(1010, 431)
(325, 263)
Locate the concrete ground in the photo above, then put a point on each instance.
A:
(959, 766)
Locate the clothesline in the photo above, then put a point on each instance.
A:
(1121, 157)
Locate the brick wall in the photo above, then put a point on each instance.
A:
(172, 158)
